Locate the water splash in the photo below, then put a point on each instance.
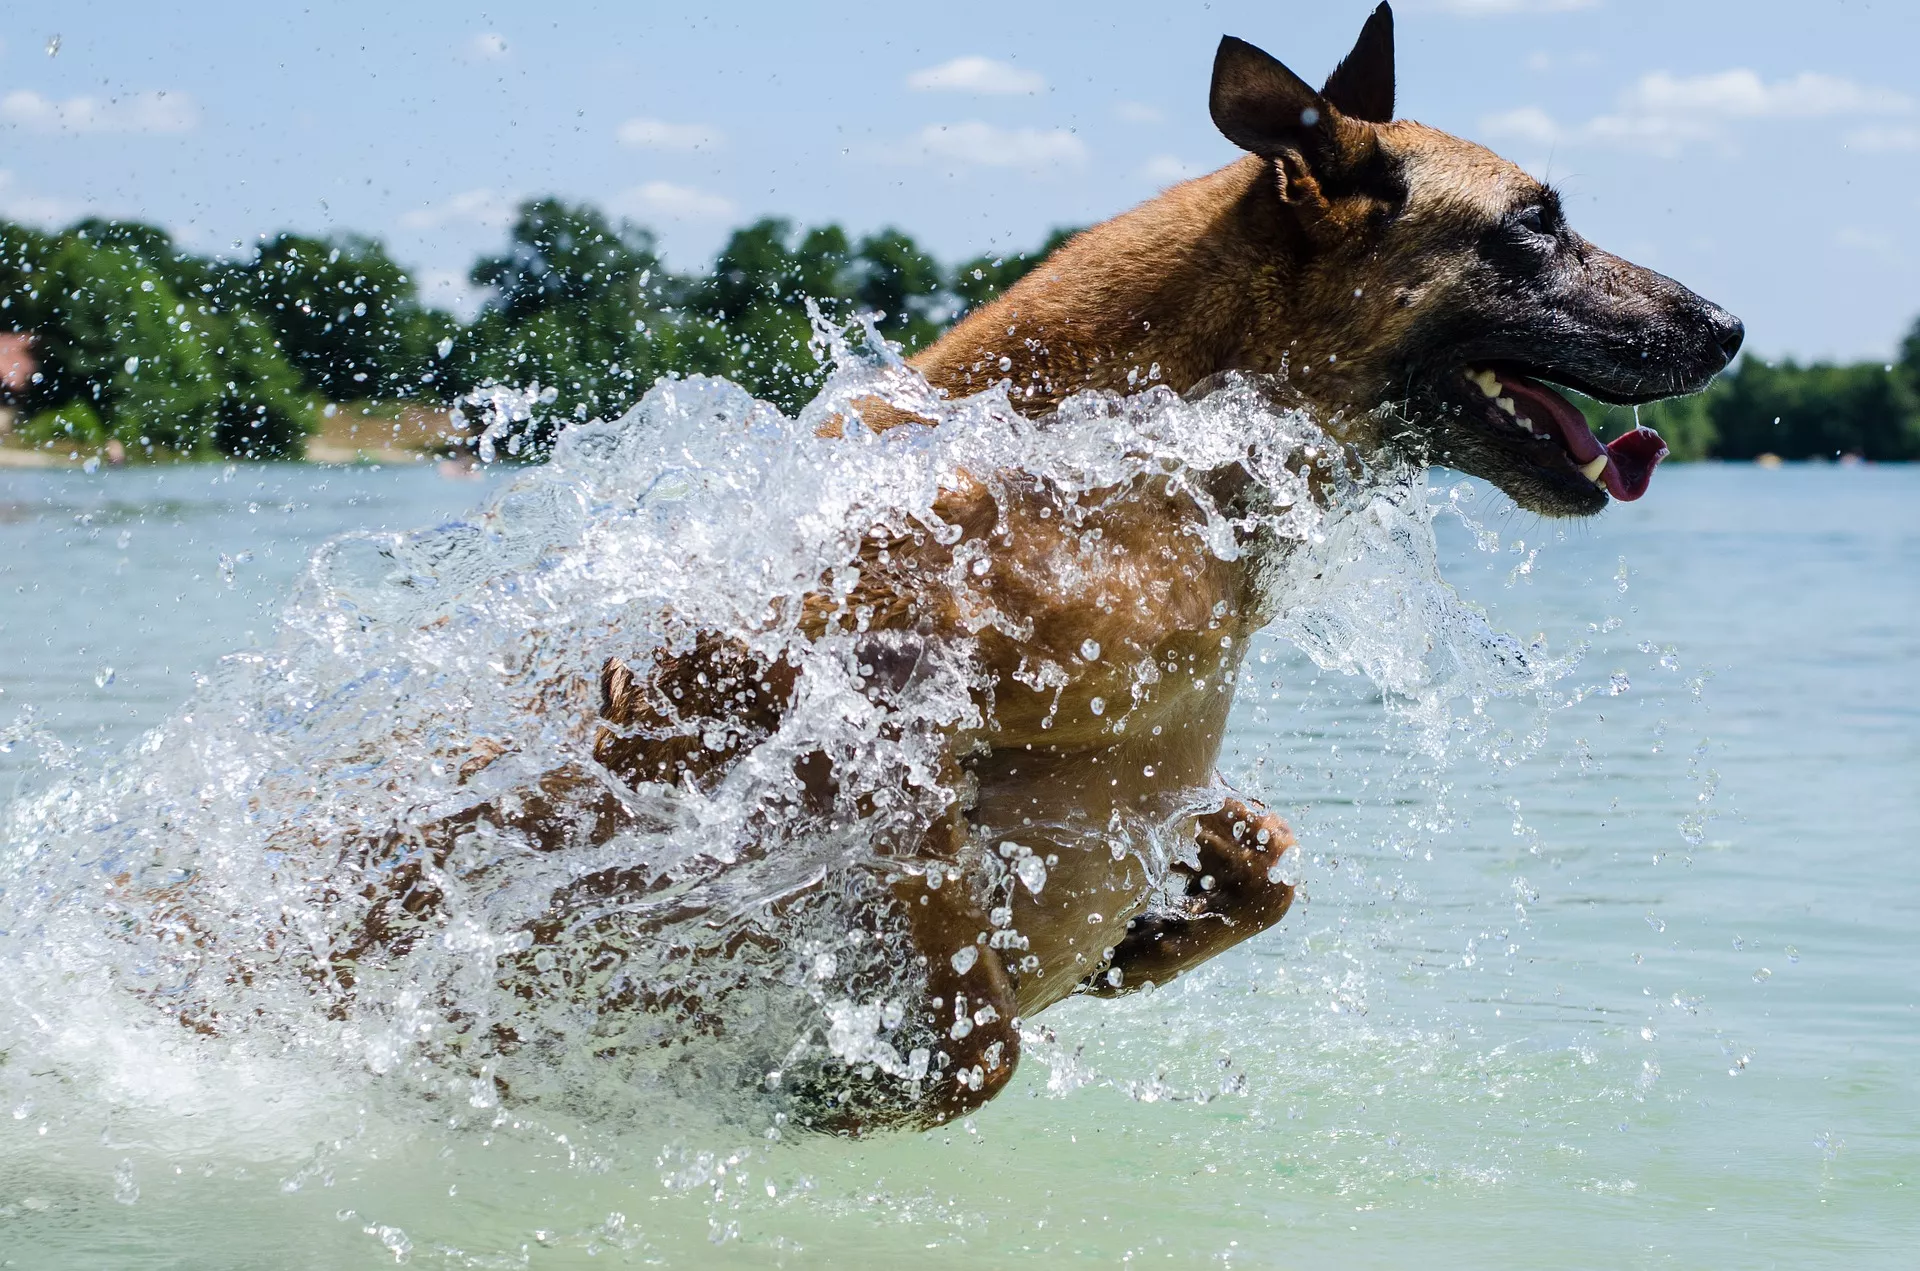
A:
(184, 929)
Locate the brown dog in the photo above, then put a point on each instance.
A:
(1368, 261)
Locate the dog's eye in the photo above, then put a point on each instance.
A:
(1533, 220)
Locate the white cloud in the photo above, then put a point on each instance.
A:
(665, 201)
(135, 114)
(974, 144)
(1498, 8)
(1872, 242)
(1166, 169)
(37, 209)
(1528, 123)
(489, 208)
(657, 134)
(1664, 114)
(1138, 113)
(451, 289)
(979, 75)
(1742, 94)
(1885, 138)
(487, 46)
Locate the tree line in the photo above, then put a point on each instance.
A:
(173, 353)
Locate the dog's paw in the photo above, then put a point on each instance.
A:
(1240, 847)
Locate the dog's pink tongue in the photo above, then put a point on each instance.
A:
(1631, 458)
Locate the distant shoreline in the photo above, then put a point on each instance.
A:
(337, 455)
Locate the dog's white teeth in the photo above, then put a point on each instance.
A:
(1505, 404)
(1592, 471)
(1524, 424)
(1487, 382)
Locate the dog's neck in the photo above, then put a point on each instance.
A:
(1203, 279)
(1211, 277)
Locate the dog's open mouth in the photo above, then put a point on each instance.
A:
(1550, 431)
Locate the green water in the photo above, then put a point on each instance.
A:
(1645, 996)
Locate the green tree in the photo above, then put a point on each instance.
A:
(891, 276)
(1816, 412)
(1909, 364)
(578, 306)
(750, 314)
(156, 364)
(347, 316)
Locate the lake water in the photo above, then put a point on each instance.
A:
(1636, 990)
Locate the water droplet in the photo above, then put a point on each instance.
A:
(53, 45)
(963, 959)
(228, 564)
(1032, 872)
(1090, 650)
(103, 677)
(1793, 954)
(1098, 706)
(1762, 976)
(1006, 364)
(1618, 683)
(444, 347)
(1656, 923)
(125, 1190)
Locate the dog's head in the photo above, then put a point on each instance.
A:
(1429, 273)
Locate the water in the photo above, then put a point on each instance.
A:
(1628, 980)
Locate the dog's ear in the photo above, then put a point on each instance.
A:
(1361, 87)
(1262, 107)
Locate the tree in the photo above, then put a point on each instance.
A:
(156, 365)
(753, 308)
(577, 306)
(348, 318)
(891, 276)
(1816, 412)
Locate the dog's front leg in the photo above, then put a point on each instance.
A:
(1232, 894)
(961, 1015)
(970, 1002)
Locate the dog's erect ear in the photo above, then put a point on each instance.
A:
(1262, 107)
(1361, 87)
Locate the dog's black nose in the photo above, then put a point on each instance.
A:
(1729, 332)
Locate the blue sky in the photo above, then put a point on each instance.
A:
(1765, 152)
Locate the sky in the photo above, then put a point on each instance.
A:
(1764, 152)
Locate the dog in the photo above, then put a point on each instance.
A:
(1366, 262)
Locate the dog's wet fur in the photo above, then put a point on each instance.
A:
(1368, 263)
